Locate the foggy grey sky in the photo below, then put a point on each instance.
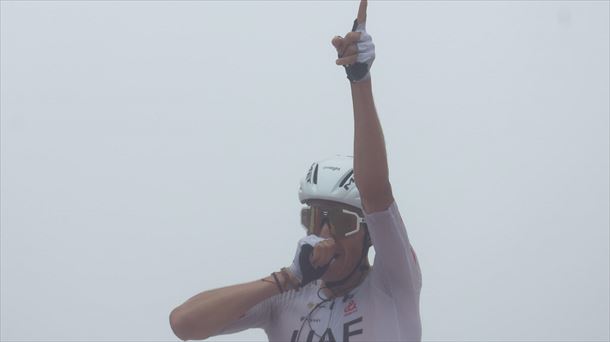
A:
(152, 150)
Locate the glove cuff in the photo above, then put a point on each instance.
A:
(357, 72)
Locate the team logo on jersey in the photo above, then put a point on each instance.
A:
(350, 329)
(350, 308)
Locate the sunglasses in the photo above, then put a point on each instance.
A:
(342, 222)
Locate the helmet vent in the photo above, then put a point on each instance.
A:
(315, 175)
(349, 174)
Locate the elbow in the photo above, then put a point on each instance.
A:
(184, 328)
(179, 325)
(176, 323)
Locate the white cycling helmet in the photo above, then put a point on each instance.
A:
(331, 179)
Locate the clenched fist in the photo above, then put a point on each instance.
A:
(323, 252)
(312, 259)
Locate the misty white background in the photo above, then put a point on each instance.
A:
(152, 150)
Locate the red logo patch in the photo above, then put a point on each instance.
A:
(350, 308)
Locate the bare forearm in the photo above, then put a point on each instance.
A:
(370, 160)
(205, 314)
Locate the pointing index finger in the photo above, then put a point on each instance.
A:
(362, 12)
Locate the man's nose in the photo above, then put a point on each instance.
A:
(325, 232)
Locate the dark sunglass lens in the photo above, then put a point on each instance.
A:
(306, 217)
(343, 222)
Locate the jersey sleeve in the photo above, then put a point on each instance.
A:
(395, 265)
(259, 316)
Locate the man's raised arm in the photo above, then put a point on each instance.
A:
(356, 53)
(370, 159)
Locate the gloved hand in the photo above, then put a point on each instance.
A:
(356, 51)
(360, 70)
(304, 266)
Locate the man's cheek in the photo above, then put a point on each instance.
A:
(336, 265)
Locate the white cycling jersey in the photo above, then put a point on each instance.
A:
(384, 307)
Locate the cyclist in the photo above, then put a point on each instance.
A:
(330, 292)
